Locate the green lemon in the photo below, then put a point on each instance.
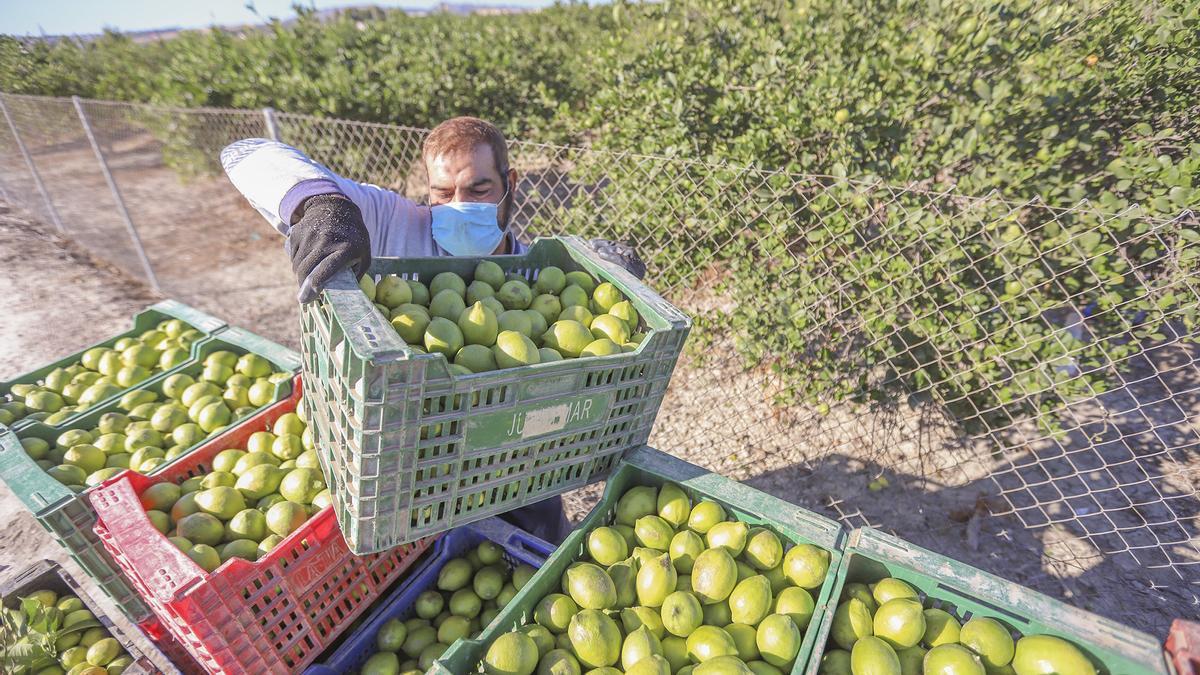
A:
(555, 611)
(443, 337)
(638, 645)
(479, 326)
(989, 639)
(513, 349)
(705, 515)
(591, 587)
(601, 347)
(655, 580)
(852, 621)
(221, 502)
(796, 603)
(714, 575)
(200, 528)
(247, 524)
(653, 532)
(806, 565)
(912, 660)
(709, 642)
(569, 338)
(595, 638)
(900, 623)
(636, 503)
(746, 639)
(872, 656)
(516, 320)
(410, 322)
(890, 589)
(835, 662)
(953, 659)
(205, 556)
(246, 549)
(730, 535)
(259, 481)
(681, 613)
(607, 546)
(286, 517)
(476, 358)
(941, 628)
(1049, 655)
(751, 600)
(301, 485)
(512, 653)
(684, 548)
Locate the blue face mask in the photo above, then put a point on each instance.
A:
(467, 228)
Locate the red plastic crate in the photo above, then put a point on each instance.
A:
(154, 631)
(1183, 644)
(270, 616)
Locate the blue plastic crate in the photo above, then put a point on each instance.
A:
(519, 547)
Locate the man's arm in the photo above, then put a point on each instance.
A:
(353, 221)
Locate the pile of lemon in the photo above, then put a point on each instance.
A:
(671, 587)
(100, 373)
(884, 629)
(249, 500)
(469, 593)
(499, 321)
(151, 430)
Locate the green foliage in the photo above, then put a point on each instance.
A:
(28, 633)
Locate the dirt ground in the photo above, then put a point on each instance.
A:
(56, 299)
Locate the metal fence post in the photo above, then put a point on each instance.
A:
(272, 125)
(37, 177)
(116, 193)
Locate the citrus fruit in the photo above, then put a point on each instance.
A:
(607, 546)
(714, 575)
(569, 338)
(221, 502)
(835, 662)
(684, 548)
(591, 587)
(514, 294)
(87, 457)
(247, 524)
(555, 611)
(900, 623)
(301, 485)
(381, 663)
(805, 565)
(476, 358)
(1047, 655)
(447, 281)
(200, 528)
(245, 549)
(419, 638)
(730, 535)
(653, 532)
(890, 589)
(205, 556)
(705, 515)
(487, 583)
(160, 521)
(872, 656)
(708, 642)
(392, 291)
(912, 660)
(454, 575)
(578, 313)
(595, 638)
(513, 349)
(681, 613)
(478, 290)
(489, 273)
(625, 311)
(763, 549)
(266, 545)
(655, 580)
(511, 654)
(286, 517)
(751, 600)
(516, 320)
(160, 496)
(605, 296)
(851, 622)
(953, 659)
(636, 503)
(797, 604)
(479, 325)
(410, 322)
(723, 665)
(941, 628)
(638, 645)
(442, 336)
(601, 347)
(259, 481)
(989, 639)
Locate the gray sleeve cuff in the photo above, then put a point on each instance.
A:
(303, 190)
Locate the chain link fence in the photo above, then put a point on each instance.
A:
(1014, 384)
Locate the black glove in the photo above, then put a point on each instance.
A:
(329, 237)
(620, 254)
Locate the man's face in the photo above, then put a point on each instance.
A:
(464, 177)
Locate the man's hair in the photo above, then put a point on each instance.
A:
(464, 134)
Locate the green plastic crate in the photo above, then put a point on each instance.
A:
(410, 450)
(965, 591)
(143, 321)
(68, 516)
(647, 466)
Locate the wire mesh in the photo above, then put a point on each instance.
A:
(858, 345)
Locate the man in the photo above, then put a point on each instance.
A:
(333, 223)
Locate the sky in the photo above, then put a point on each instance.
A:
(64, 17)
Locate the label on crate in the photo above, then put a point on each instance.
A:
(539, 419)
